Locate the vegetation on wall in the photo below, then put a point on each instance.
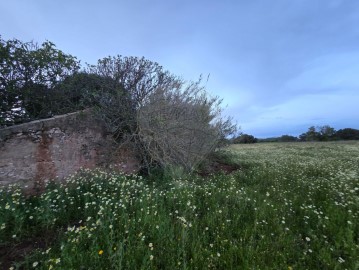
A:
(170, 122)
(29, 74)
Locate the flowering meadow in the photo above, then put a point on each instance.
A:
(289, 206)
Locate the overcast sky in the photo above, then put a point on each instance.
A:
(280, 65)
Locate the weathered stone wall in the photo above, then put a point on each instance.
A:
(54, 148)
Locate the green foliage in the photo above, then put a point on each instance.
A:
(170, 122)
(29, 73)
(292, 206)
(245, 138)
(321, 133)
(347, 134)
(287, 138)
(326, 133)
(283, 138)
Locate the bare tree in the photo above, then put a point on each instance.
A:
(180, 126)
(137, 76)
(169, 121)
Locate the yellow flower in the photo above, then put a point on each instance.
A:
(100, 252)
(290, 268)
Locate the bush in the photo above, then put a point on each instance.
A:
(245, 138)
(170, 122)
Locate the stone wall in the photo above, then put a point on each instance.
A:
(54, 148)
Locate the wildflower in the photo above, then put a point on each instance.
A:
(35, 264)
(307, 238)
(151, 257)
(100, 252)
(3, 226)
(218, 254)
(341, 260)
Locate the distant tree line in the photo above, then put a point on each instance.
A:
(170, 122)
(327, 133)
(320, 133)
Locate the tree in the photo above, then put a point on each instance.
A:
(169, 121)
(326, 133)
(245, 138)
(347, 134)
(137, 76)
(181, 126)
(320, 133)
(28, 74)
(310, 135)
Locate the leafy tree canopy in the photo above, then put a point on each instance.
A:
(245, 138)
(27, 72)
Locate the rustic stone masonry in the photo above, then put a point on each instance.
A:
(54, 148)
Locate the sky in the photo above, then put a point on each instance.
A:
(280, 66)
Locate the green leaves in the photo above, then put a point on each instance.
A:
(28, 74)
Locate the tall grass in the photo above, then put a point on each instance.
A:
(292, 206)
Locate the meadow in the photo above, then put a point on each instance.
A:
(289, 206)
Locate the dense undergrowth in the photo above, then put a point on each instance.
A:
(290, 206)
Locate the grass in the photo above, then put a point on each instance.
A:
(291, 206)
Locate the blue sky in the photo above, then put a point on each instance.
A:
(280, 65)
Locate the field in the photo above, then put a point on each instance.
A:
(290, 206)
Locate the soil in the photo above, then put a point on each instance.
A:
(218, 167)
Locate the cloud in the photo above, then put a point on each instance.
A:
(277, 64)
(336, 109)
(332, 71)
